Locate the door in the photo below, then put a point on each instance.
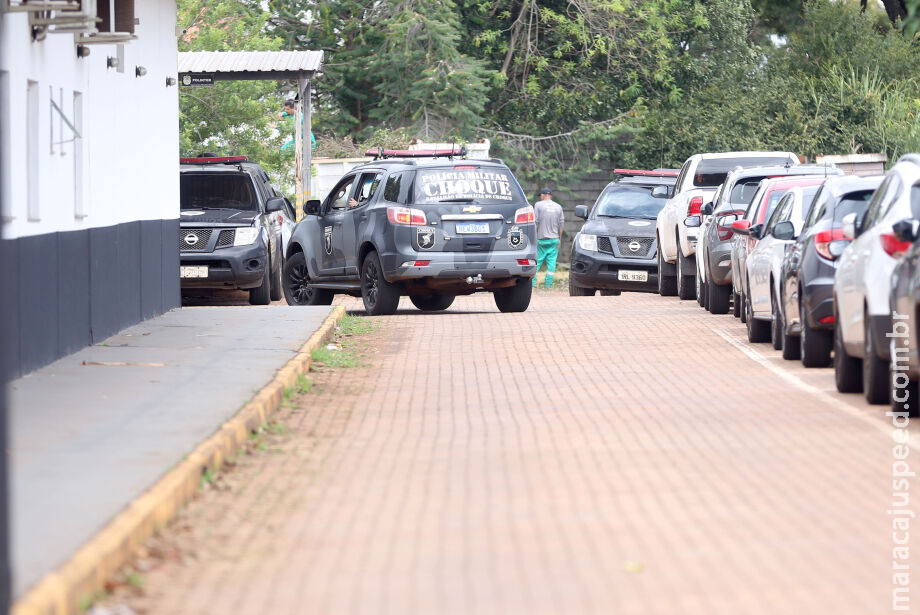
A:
(331, 228)
(365, 194)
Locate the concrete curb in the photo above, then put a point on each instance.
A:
(80, 578)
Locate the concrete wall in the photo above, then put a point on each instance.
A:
(89, 223)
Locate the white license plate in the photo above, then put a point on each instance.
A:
(632, 276)
(472, 228)
(193, 272)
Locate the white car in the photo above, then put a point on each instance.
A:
(699, 177)
(862, 283)
(764, 265)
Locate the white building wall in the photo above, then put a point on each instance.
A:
(130, 138)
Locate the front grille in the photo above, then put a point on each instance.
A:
(201, 238)
(603, 245)
(642, 244)
(225, 238)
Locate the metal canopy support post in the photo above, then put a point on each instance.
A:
(304, 148)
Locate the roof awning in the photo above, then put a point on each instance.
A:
(246, 65)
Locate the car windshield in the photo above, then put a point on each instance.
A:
(853, 202)
(629, 202)
(712, 172)
(772, 199)
(216, 190)
(488, 185)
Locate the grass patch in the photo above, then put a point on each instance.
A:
(356, 325)
(334, 358)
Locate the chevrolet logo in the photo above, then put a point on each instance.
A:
(473, 209)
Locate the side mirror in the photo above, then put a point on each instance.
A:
(581, 211)
(706, 210)
(848, 224)
(661, 192)
(692, 221)
(311, 207)
(756, 231)
(784, 231)
(742, 227)
(727, 221)
(276, 203)
(906, 229)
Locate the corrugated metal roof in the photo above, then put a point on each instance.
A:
(249, 61)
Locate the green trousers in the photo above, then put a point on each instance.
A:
(547, 251)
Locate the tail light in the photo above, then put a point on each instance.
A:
(526, 261)
(696, 204)
(823, 240)
(827, 320)
(524, 215)
(725, 232)
(406, 216)
(894, 247)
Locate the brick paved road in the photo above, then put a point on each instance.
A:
(594, 455)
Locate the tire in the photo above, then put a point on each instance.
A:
(736, 304)
(611, 293)
(701, 293)
(791, 348)
(743, 316)
(719, 298)
(667, 285)
(515, 298)
(847, 369)
(814, 344)
(758, 331)
(875, 371)
(577, 291)
(381, 298)
(686, 288)
(432, 303)
(776, 324)
(296, 280)
(277, 287)
(261, 295)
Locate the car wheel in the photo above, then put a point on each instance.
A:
(667, 284)
(261, 295)
(380, 297)
(611, 293)
(875, 371)
(577, 291)
(296, 287)
(814, 344)
(431, 303)
(277, 290)
(719, 297)
(776, 324)
(685, 286)
(847, 369)
(700, 292)
(515, 298)
(736, 305)
(757, 330)
(791, 348)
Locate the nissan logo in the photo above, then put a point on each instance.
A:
(635, 246)
(191, 239)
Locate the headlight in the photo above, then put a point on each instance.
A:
(245, 235)
(587, 242)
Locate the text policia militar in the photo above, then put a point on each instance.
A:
(901, 514)
(471, 184)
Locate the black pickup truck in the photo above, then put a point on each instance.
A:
(430, 225)
(230, 228)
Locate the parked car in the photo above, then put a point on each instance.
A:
(807, 284)
(615, 249)
(862, 285)
(748, 230)
(904, 345)
(713, 253)
(288, 220)
(229, 234)
(698, 180)
(764, 264)
(426, 224)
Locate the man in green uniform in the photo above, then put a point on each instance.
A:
(550, 221)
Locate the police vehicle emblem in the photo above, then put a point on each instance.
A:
(515, 237)
(425, 237)
(327, 239)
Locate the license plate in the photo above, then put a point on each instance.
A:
(632, 276)
(472, 228)
(193, 272)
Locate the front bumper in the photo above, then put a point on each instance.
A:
(601, 271)
(240, 267)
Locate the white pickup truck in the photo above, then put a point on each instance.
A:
(698, 181)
